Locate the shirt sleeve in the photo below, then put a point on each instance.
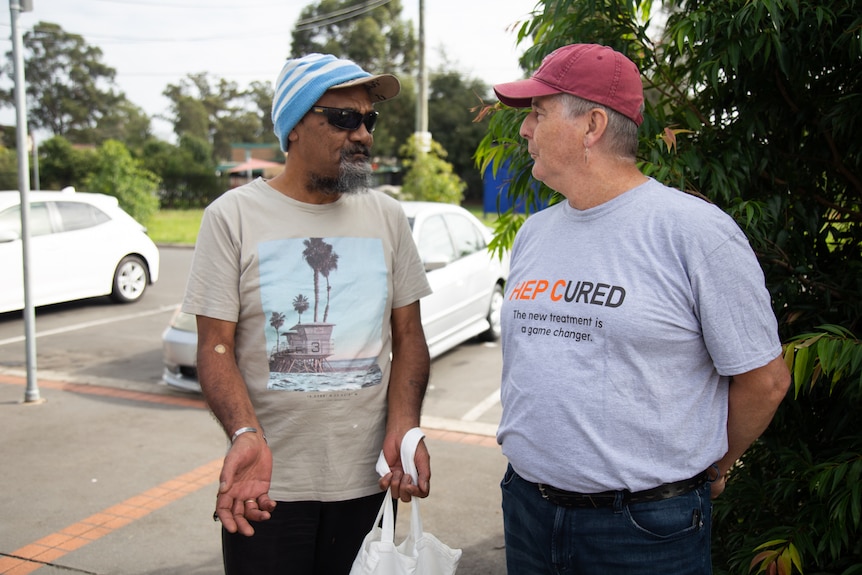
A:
(213, 285)
(735, 308)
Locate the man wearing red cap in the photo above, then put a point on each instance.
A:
(640, 350)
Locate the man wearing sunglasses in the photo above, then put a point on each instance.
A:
(311, 352)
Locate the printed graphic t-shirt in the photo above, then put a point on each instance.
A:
(311, 288)
(621, 325)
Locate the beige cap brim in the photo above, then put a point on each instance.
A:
(381, 87)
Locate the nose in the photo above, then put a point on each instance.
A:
(527, 125)
(361, 134)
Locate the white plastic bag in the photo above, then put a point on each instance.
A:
(420, 553)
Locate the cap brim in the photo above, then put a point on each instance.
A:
(520, 94)
(381, 87)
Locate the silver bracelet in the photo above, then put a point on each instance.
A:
(240, 431)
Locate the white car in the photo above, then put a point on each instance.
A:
(466, 279)
(81, 245)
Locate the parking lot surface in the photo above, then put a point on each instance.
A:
(121, 480)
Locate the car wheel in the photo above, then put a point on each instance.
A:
(130, 280)
(493, 333)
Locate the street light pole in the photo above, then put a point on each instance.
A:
(423, 136)
(31, 394)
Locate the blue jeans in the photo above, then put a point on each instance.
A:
(668, 537)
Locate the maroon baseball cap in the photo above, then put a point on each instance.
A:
(589, 71)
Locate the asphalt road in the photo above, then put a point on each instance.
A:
(96, 341)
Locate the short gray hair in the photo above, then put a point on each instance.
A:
(622, 132)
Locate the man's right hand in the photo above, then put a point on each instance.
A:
(243, 493)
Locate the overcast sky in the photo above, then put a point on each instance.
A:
(153, 43)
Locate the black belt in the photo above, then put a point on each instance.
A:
(607, 498)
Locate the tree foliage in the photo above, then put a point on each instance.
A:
(777, 88)
(61, 164)
(117, 174)
(186, 171)
(797, 498)
(219, 112)
(375, 37)
(124, 122)
(452, 100)
(8, 168)
(429, 176)
(72, 94)
(70, 91)
(755, 105)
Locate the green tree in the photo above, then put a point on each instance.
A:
(124, 122)
(796, 500)
(61, 164)
(754, 104)
(190, 114)
(219, 112)
(8, 169)
(259, 95)
(186, 171)
(429, 176)
(376, 38)
(452, 101)
(69, 89)
(117, 174)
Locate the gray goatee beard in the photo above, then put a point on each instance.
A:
(353, 177)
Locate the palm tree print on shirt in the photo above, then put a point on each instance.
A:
(304, 356)
(300, 305)
(276, 320)
(319, 255)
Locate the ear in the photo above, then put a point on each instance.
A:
(597, 123)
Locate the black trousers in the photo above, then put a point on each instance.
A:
(303, 538)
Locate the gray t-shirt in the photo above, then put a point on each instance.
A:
(621, 325)
(311, 288)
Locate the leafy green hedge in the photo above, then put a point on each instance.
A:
(797, 495)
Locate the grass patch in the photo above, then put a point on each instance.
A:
(487, 218)
(175, 226)
(181, 227)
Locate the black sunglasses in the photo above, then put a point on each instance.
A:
(347, 119)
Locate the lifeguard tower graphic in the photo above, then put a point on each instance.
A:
(321, 336)
(307, 347)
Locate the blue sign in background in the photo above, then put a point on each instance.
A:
(496, 189)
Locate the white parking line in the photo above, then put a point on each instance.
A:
(85, 325)
(483, 406)
(460, 426)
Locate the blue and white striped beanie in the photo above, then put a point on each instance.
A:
(304, 80)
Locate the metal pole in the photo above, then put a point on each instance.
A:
(31, 394)
(424, 142)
